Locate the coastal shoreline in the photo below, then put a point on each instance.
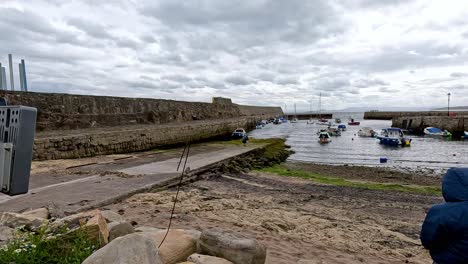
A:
(299, 219)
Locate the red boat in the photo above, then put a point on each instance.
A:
(354, 123)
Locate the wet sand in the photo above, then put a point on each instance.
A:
(299, 221)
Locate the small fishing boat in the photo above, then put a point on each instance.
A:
(393, 137)
(259, 126)
(366, 132)
(277, 121)
(337, 120)
(238, 133)
(342, 127)
(353, 123)
(334, 131)
(437, 132)
(310, 122)
(465, 135)
(295, 120)
(324, 137)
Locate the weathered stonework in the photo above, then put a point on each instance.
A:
(132, 139)
(66, 111)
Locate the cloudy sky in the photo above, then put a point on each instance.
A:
(357, 53)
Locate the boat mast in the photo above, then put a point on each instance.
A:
(320, 106)
(295, 112)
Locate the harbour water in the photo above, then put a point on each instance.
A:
(425, 153)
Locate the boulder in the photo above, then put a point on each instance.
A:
(231, 247)
(119, 229)
(6, 233)
(77, 219)
(205, 259)
(112, 216)
(14, 220)
(147, 229)
(96, 228)
(133, 248)
(40, 212)
(177, 246)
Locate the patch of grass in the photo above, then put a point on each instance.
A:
(319, 178)
(41, 246)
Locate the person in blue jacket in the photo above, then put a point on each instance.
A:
(445, 229)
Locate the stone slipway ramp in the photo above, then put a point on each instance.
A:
(77, 194)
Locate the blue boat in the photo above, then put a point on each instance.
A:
(342, 127)
(393, 137)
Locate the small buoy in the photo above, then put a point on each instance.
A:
(383, 160)
(352, 138)
(454, 155)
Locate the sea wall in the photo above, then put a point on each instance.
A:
(132, 138)
(417, 124)
(66, 111)
(390, 115)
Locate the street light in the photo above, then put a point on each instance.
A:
(448, 104)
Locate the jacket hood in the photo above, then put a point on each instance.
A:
(455, 185)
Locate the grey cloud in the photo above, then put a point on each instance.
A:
(286, 80)
(238, 80)
(365, 83)
(458, 74)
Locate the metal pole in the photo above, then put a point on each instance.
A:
(12, 82)
(25, 80)
(448, 104)
(20, 67)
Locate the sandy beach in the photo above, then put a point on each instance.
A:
(298, 220)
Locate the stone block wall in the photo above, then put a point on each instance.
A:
(417, 124)
(125, 140)
(66, 111)
(389, 115)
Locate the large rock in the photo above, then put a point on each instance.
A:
(205, 259)
(119, 229)
(6, 233)
(96, 228)
(112, 216)
(40, 212)
(177, 247)
(233, 248)
(14, 220)
(77, 219)
(133, 248)
(147, 229)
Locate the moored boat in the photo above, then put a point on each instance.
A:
(310, 122)
(337, 120)
(342, 127)
(465, 135)
(324, 137)
(394, 137)
(353, 123)
(437, 132)
(366, 132)
(334, 131)
(238, 133)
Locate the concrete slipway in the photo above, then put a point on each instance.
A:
(94, 182)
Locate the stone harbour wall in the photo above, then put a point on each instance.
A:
(389, 115)
(455, 125)
(132, 139)
(67, 111)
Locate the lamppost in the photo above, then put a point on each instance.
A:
(448, 104)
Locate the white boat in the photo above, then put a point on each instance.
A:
(434, 131)
(310, 122)
(324, 137)
(294, 120)
(366, 132)
(394, 137)
(465, 135)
